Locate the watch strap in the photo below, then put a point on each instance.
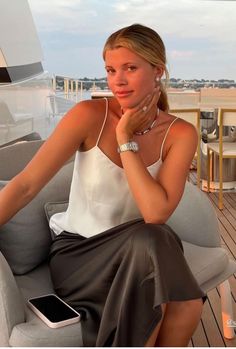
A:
(129, 146)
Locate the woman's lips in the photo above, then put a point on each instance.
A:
(123, 94)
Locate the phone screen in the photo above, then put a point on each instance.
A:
(53, 308)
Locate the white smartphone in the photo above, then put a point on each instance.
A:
(53, 310)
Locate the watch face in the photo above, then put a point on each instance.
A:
(134, 146)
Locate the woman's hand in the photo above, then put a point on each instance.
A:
(137, 119)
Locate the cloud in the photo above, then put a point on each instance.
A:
(183, 55)
(182, 18)
(193, 30)
(62, 15)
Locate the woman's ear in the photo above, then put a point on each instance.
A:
(159, 72)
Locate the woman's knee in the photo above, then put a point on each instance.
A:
(151, 236)
(193, 306)
(196, 306)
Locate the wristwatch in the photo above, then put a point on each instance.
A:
(133, 146)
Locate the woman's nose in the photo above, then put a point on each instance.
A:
(120, 78)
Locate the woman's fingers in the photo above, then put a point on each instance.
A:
(143, 105)
(139, 117)
(151, 100)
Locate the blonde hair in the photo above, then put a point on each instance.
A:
(147, 43)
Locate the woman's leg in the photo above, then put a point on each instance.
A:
(178, 324)
(180, 321)
(152, 339)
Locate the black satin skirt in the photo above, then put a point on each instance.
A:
(119, 278)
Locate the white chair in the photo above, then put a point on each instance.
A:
(222, 149)
(8, 124)
(192, 115)
(60, 105)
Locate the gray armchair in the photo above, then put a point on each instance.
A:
(25, 242)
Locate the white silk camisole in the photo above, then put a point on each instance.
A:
(100, 197)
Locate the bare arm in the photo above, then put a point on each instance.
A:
(158, 197)
(68, 136)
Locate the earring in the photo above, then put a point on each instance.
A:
(157, 81)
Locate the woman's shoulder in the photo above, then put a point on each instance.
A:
(179, 126)
(91, 106)
(180, 130)
(87, 113)
(181, 133)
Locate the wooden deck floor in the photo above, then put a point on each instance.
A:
(209, 332)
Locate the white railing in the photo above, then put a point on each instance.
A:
(77, 89)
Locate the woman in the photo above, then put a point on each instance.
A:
(114, 259)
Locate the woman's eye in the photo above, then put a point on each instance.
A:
(110, 71)
(132, 68)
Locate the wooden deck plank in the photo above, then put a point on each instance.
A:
(232, 196)
(190, 344)
(227, 213)
(228, 231)
(211, 328)
(199, 338)
(214, 300)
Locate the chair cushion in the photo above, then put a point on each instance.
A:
(36, 334)
(195, 220)
(33, 332)
(16, 156)
(54, 207)
(25, 240)
(11, 302)
(205, 262)
(35, 283)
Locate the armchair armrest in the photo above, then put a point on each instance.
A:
(11, 302)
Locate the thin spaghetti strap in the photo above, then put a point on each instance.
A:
(104, 121)
(166, 136)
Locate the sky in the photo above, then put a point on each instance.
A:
(199, 35)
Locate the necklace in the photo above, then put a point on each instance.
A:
(141, 133)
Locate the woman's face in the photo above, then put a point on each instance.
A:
(130, 77)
